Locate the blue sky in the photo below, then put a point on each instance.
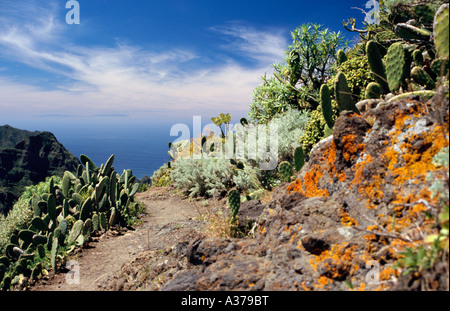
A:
(146, 59)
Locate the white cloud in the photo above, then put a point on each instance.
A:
(127, 79)
(265, 46)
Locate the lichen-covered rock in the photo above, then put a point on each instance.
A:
(341, 224)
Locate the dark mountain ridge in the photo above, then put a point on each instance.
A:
(27, 158)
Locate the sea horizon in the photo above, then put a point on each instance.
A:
(137, 144)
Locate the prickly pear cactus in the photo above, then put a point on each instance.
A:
(54, 252)
(343, 94)
(395, 66)
(341, 57)
(373, 90)
(376, 65)
(418, 57)
(285, 170)
(421, 77)
(75, 232)
(440, 67)
(234, 202)
(299, 158)
(95, 222)
(441, 31)
(325, 102)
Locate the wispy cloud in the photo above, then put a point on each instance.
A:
(125, 79)
(264, 46)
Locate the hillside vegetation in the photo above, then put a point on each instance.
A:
(358, 199)
(363, 183)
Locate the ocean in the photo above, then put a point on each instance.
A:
(139, 145)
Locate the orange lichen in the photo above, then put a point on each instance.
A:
(305, 288)
(322, 281)
(329, 158)
(359, 169)
(346, 220)
(388, 273)
(350, 147)
(342, 260)
(307, 185)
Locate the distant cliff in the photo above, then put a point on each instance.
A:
(27, 158)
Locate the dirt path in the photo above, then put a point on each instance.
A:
(168, 218)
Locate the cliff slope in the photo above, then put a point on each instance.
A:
(35, 155)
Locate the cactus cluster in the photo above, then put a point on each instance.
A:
(67, 216)
(405, 58)
(234, 202)
(441, 31)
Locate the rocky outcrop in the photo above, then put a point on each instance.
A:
(343, 222)
(30, 161)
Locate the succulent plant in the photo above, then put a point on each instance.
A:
(86, 209)
(88, 163)
(299, 158)
(41, 251)
(95, 222)
(418, 57)
(343, 94)
(285, 170)
(396, 66)
(410, 32)
(51, 207)
(441, 31)
(75, 232)
(39, 224)
(39, 239)
(341, 57)
(376, 65)
(440, 67)
(421, 77)
(103, 222)
(373, 91)
(325, 102)
(234, 202)
(54, 252)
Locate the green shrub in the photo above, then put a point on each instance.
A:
(291, 127)
(201, 177)
(269, 99)
(358, 75)
(308, 63)
(21, 214)
(161, 177)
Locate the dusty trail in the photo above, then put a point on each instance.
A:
(167, 219)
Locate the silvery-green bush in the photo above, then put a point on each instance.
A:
(202, 177)
(291, 126)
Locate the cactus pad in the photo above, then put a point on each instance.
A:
(299, 158)
(285, 170)
(325, 102)
(234, 202)
(395, 66)
(376, 65)
(373, 90)
(343, 94)
(421, 77)
(441, 31)
(75, 232)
